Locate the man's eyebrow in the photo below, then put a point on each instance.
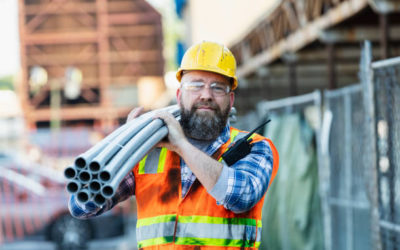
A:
(202, 80)
(197, 80)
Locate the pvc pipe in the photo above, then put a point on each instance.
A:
(70, 172)
(82, 160)
(73, 186)
(108, 190)
(113, 147)
(109, 171)
(134, 143)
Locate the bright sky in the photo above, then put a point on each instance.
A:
(9, 37)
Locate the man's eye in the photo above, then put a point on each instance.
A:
(218, 88)
(194, 85)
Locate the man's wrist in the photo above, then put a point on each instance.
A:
(183, 145)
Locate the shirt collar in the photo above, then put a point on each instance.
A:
(221, 139)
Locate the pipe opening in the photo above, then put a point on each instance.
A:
(80, 162)
(84, 176)
(83, 197)
(99, 199)
(95, 186)
(72, 187)
(105, 176)
(70, 173)
(94, 166)
(108, 191)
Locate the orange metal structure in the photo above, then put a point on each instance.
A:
(112, 42)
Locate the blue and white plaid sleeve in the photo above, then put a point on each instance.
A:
(243, 184)
(88, 210)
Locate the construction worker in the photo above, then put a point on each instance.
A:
(187, 196)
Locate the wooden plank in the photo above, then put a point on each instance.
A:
(301, 13)
(291, 16)
(135, 31)
(317, 9)
(103, 63)
(135, 56)
(23, 87)
(67, 8)
(62, 59)
(61, 38)
(123, 6)
(133, 18)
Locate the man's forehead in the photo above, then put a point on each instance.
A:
(205, 76)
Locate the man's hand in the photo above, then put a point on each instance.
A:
(176, 137)
(134, 113)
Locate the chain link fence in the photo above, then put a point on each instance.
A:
(348, 224)
(385, 82)
(358, 147)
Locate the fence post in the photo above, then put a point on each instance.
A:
(370, 158)
(324, 169)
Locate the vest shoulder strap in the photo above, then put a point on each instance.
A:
(153, 162)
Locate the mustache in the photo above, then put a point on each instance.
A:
(211, 105)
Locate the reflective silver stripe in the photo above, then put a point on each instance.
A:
(155, 230)
(216, 231)
(152, 159)
(259, 234)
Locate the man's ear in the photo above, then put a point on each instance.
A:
(231, 98)
(178, 95)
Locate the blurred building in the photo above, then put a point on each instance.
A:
(88, 61)
(287, 47)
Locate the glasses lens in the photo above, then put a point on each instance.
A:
(193, 86)
(219, 88)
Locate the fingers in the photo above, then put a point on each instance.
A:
(175, 133)
(167, 117)
(134, 113)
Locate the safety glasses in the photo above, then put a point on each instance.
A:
(217, 89)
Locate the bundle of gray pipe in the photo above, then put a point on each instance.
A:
(97, 173)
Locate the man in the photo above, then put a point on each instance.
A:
(187, 196)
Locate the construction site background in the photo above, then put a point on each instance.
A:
(333, 99)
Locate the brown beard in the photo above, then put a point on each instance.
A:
(203, 126)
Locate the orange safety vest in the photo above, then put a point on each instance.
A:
(168, 221)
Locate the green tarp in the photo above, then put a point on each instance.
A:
(292, 216)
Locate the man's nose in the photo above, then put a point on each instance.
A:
(206, 93)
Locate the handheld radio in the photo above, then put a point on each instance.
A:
(241, 148)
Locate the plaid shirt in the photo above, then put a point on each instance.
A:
(238, 189)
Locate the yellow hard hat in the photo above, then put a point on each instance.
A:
(209, 56)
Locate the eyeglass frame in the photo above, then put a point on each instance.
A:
(210, 86)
